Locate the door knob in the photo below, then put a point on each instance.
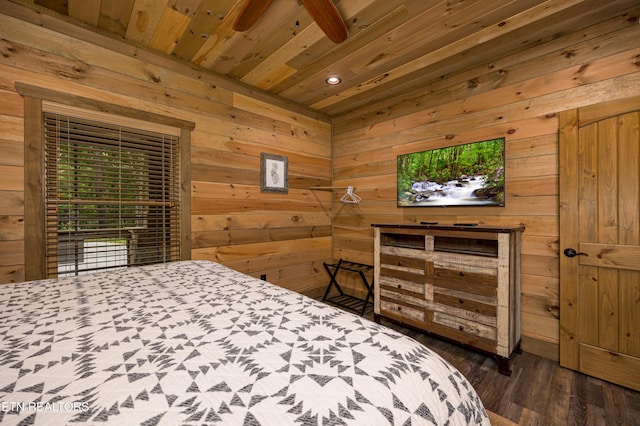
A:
(571, 252)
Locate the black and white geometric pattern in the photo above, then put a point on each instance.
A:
(197, 343)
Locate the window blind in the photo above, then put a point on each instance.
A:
(112, 196)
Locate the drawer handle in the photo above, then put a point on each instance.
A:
(462, 273)
(399, 308)
(461, 328)
(400, 286)
(461, 301)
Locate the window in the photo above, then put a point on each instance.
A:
(112, 196)
(106, 186)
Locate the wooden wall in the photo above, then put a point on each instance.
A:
(517, 97)
(288, 236)
(285, 236)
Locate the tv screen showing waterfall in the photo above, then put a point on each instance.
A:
(463, 175)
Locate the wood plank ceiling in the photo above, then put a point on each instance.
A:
(393, 45)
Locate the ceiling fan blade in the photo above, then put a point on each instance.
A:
(326, 15)
(252, 11)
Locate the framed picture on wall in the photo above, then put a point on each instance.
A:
(273, 173)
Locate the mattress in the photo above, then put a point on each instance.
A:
(196, 343)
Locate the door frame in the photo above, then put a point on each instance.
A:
(568, 129)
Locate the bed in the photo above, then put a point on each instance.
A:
(196, 343)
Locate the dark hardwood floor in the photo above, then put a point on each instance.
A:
(539, 391)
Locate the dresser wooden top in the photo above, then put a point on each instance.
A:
(451, 227)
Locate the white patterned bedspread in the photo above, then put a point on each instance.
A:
(196, 343)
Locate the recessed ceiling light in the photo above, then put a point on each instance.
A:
(333, 80)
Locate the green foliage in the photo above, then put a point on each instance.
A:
(444, 164)
(98, 186)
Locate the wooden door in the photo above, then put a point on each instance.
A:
(600, 241)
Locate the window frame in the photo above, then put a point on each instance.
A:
(36, 100)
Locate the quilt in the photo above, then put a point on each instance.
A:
(197, 343)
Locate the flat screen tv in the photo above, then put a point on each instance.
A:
(463, 175)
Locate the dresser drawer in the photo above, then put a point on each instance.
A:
(482, 283)
(402, 263)
(393, 308)
(392, 258)
(472, 303)
(404, 298)
(401, 285)
(466, 326)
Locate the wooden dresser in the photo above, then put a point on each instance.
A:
(461, 283)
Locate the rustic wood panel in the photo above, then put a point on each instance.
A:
(87, 11)
(203, 223)
(599, 362)
(523, 106)
(11, 228)
(393, 46)
(133, 65)
(275, 258)
(12, 127)
(285, 236)
(540, 304)
(114, 15)
(11, 274)
(249, 236)
(144, 19)
(12, 153)
(515, 70)
(12, 253)
(171, 26)
(12, 178)
(11, 104)
(599, 315)
(513, 85)
(12, 203)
